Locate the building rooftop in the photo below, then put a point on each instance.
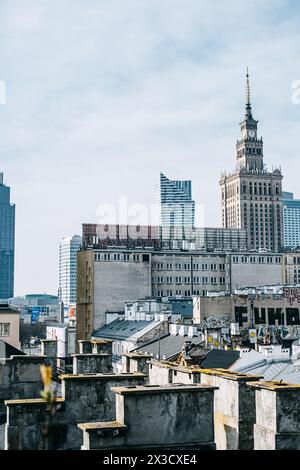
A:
(5, 308)
(286, 369)
(170, 388)
(94, 376)
(231, 375)
(101, 425)
(275, 386)
(123, 329)
(219, 358)
(182, 307)
(167, 347)
(6, 350)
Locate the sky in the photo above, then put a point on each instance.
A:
(103, 95)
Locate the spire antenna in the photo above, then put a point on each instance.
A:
(248, 95)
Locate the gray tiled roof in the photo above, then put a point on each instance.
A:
(182, 307)
(169, 346)
(220, 358)
(122, 329)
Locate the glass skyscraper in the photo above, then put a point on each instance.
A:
(7, 242)
(291, 221)
(175, 205)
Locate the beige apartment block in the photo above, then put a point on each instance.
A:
(9, 326)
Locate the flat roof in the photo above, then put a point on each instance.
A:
(101, 376)
(136, 355)
(156, 389)
(274, 386)
(231, 375)
(31, 401)
(101, 425)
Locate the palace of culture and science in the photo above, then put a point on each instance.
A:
(251, 195)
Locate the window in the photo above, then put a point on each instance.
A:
(4, 329)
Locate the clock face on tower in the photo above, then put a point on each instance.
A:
(251, 133)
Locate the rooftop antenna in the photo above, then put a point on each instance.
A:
(248, 95)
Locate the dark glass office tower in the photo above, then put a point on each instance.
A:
(7, 242)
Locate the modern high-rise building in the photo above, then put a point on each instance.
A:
(68, 269)
(251, 195)
(175, 204)
(7, 242)
(291, 221)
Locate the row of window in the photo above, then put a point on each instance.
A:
(187, 266)
(121, 257)
(171, 293)
(187, 280)
(257, 259)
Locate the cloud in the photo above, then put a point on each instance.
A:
(102, 96)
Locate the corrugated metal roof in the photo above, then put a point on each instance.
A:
(247, 360)
(290, 375)
(279, 370)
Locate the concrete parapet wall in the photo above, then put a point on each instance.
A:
(95, 346)
(85, 347)
(160, 372)
(102, 346)
(84, 398)
(49, 347)
(277, 416)
(92, 363)
(234, 414)
(136, 362)
(163, 373)
(20, 377)
(164, 417)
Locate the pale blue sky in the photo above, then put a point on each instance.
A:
(102, 95)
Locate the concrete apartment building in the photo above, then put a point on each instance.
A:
(9, 325)
(253, 306)
(107, 278)
(105, 281)
(291, 267)
(251, 195)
